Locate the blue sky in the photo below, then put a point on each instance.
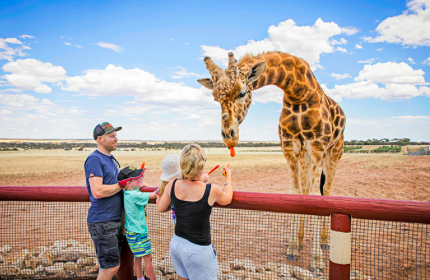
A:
(67, 65)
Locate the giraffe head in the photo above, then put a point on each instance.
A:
(232, 88)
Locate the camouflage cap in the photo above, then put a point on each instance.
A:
(104, 128)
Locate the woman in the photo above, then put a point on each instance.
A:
(193, 255)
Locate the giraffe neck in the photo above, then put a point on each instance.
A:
(289, 73)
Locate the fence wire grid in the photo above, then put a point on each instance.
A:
(50, 240)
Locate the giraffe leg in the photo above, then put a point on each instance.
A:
(293, 243)
(305, 162)
(317, 254)
(316, 170)
(331, 160)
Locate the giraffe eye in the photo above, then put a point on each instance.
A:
(242, 94)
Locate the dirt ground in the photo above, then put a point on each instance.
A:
(366, 176)
(356, 176)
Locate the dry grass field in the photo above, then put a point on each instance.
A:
(378, 176)
(254, 169)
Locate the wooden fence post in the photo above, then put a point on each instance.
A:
(340, 247)
(126, 269)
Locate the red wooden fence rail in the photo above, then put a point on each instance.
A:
(357, 208)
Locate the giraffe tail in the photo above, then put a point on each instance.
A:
(322, 182)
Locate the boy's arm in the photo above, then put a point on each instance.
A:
(153, 195)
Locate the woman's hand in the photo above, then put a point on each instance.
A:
(205, 178)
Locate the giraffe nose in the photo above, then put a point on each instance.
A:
(231, 134)
(224, 117)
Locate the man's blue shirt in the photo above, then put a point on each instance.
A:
(107, 208)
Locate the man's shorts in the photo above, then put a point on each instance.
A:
(139, 243)
(192, 261)
(107, 238)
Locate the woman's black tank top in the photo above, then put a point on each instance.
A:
(192, 218)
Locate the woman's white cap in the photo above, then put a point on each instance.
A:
(171, 167)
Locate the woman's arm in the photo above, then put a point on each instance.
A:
(223, 197)
(164, 202)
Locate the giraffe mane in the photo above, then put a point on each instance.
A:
(249, 56)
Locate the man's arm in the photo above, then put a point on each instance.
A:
(99, 190)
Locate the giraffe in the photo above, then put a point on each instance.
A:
(310, 128)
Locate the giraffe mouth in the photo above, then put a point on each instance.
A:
(230, 139)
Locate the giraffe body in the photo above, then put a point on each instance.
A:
(310, 128)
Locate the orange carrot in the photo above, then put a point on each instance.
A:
(143, 165)
(232, 152)
(213, 169)
(223, 173)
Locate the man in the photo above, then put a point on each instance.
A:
(106, 210)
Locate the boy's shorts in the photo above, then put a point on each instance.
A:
(107, 238)
(139, 243)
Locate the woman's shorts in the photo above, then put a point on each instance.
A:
(139, 243)
(192, 261)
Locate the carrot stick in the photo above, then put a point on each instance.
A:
(232, 152)
(143, 165)
(223, 173)
(213, 169)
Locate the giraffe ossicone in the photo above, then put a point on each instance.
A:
(311, 125)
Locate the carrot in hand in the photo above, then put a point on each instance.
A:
(213, 169)
(223, 173)
(232, 152)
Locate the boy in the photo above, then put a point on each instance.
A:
(135, 224)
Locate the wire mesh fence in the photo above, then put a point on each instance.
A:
(50, 240)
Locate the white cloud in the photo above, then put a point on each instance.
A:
(380, 49)
(308, 42)
(411, 60)
(5, 112)
(357, 46)
(29, 74)
(267, 94)
(358, 91)
(66, 43)
(78, 46)
(412, 117)
(367, 61)
(13, 41)
(113, 47)
(193, 116)
(403, 91)
(340, 76)
(182, 73)
(23, 102)
(339, 49)
(413, 127)
(142, 85)
(342, 41)
(427, 61)
(7, 52)
(399, 82)
(27, 37)
(409, 28)
(391, 72)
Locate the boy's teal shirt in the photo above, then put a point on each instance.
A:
(134, 205)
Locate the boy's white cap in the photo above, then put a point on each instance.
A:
(171, 167)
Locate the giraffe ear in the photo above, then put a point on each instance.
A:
(255, 72)
(207, 83)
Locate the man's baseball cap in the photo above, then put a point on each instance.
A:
(129, 173)
(104, 128)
